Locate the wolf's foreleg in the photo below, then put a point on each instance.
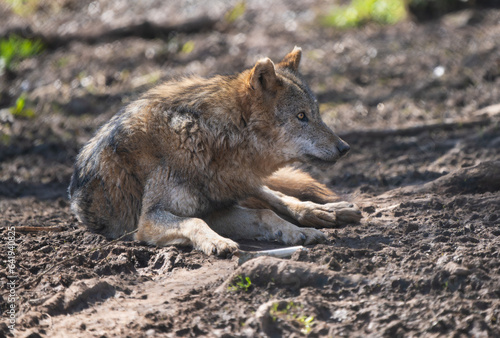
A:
(159, 227)
(308, 213)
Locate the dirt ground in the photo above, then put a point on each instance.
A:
(417, 102)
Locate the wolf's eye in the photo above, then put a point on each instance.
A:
(302, 116)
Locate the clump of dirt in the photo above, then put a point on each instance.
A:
(417, 102)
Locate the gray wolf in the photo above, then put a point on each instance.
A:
(204, 162)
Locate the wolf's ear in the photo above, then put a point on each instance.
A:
(263, 75)
(292, 60)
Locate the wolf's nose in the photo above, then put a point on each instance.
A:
(343, 148)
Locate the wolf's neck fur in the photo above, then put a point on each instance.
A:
(229, 117)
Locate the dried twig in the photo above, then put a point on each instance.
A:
(37, 229)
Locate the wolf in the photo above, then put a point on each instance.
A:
(207, 161)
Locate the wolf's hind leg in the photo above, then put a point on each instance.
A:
(261, 224)
(161, 228)
(300, 184)
(307, 213)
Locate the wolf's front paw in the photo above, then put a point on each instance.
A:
(295, 235)
(222, 247)
(350, 214)
(328, 215)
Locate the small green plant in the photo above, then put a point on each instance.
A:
(307, 324)
(360, 12)
(24, 7)
(188, 47)
(237, 11)
(14, 49)
(290, 312)
(241, 284)
(21, 110)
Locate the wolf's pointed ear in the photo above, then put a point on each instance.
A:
(263, 75)
(292, 60)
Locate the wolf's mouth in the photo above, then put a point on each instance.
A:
(319, 162)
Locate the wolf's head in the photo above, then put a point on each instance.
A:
(285, 109)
